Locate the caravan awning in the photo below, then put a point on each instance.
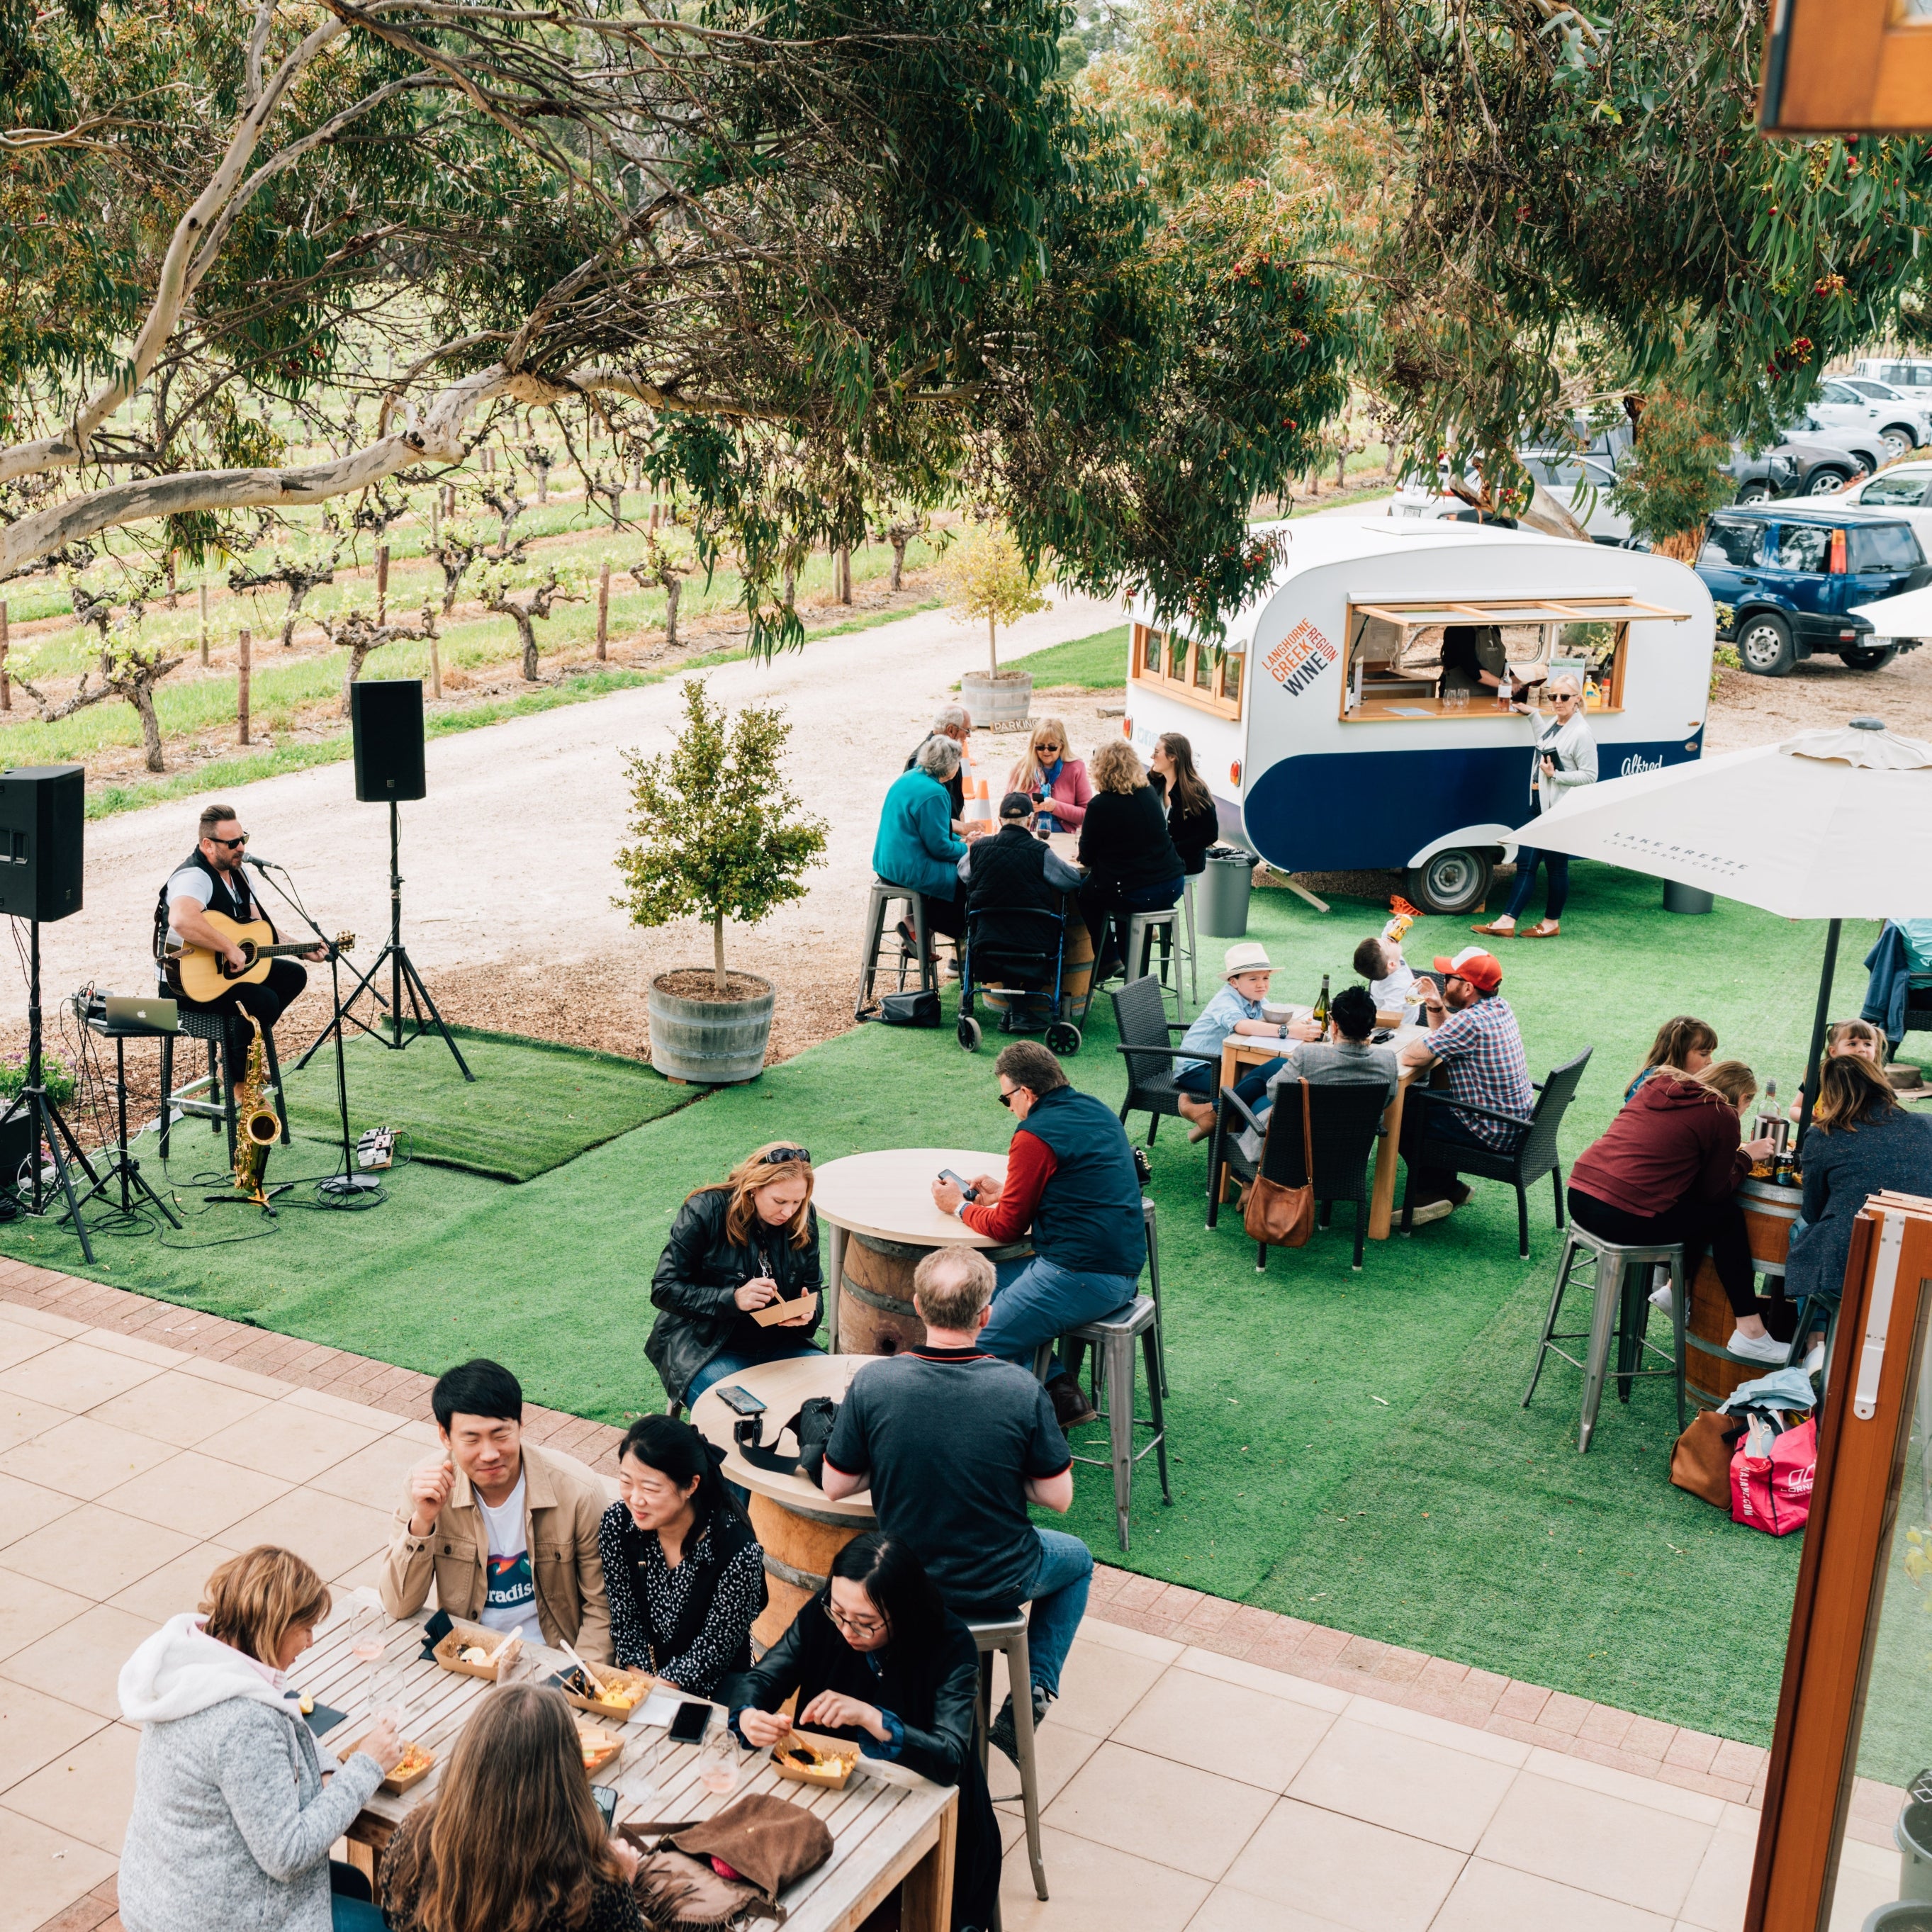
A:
(1608, 607)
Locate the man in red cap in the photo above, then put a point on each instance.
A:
(1473, 1036)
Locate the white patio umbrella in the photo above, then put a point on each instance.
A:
(1832, 825)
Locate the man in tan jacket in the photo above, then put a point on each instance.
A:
(508, 1534)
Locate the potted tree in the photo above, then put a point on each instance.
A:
(716, 833)
(990, 578)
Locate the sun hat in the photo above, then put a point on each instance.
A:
(1250, 956)
(1482, 970)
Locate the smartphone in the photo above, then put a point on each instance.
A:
(689, 1726)
(1380, 1037)
(740, 1401)
(960, 1181)
(606, 1796)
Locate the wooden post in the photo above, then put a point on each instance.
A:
(435, 667)
(6, 683)
(243, 647)
(841, 575)
(603, 609)
(382, 582)
(435, 525)
(173, 585)
(489, 461)
(204, 627)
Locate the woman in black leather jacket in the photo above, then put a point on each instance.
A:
(877, 1657)
(742, 1243)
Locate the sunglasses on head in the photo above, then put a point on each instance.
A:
(776, 1157)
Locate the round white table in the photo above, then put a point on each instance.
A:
(887, 1196)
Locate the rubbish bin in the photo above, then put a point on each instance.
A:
(1221, 906)
(1686, 898)
(1912, 1834)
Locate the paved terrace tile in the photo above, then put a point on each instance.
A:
(1210, 1766)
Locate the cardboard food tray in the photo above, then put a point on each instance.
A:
(640, 1681)
(600, 1745)
(839, 1759)
(461, 1636)
(398, 1782)
(781, 1311)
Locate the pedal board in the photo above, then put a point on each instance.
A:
(377, 1148)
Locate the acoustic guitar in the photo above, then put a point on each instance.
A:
(195, 973)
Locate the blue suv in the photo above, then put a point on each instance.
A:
(1785, 577)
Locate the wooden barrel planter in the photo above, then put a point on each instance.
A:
(709, 1043)
(997, 704)
(798, 1548)
(1770, 1211)
(876, 1316)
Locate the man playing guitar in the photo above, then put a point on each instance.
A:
(211, 879)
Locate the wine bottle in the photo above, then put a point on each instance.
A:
(1321, 1014)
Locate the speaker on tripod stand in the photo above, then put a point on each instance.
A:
(42, 813)
(385, 720)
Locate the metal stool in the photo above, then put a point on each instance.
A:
(1193, 944)
(1154, 1290)
(883, 894)
(1143, 927)
(1112, 1382)
(213, 1027)
(1008, 1637)
(1620, 1282)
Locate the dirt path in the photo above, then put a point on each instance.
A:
(508, 861)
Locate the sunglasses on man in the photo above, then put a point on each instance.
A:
(231, 844)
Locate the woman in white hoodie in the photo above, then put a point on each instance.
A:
(1566, 758)
(232, 1822)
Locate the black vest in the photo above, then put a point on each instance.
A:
(726, 1533)
(1008, 872)
(241, 908)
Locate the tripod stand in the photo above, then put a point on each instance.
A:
(37, 1105)
(402, 975)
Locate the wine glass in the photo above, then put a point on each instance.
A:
(719, 1761)
(365, 1644)
(636, 1770)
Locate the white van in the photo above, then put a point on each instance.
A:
(1912, 375)
(1318, 726)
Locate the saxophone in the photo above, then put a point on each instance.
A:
(256, 1124)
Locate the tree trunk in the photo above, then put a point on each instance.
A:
(543, 483)
(898, 563)
(527, 631)
(673, 590)
(842, 573)
(289, 624)
(382, 581)
(357, 656)
(204, 630)
(718, 978)
(173, 585)
(6, 684)
(603, 610)
(992, 647)
(790, 586)
(143, 700)
(243, 648)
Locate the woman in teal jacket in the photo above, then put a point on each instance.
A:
(915, 846)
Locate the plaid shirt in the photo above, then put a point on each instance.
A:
(1483, 1052)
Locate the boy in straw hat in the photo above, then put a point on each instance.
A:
(1236, 1008)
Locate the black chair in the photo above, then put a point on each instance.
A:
(1345, 1119)
(1140, 1013)
(1530, 1154)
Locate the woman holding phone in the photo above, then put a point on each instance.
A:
(740, 1246)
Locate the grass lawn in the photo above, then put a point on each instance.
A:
(1098, 663)
(1346, 1448)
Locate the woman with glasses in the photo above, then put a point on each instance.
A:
(741, 1244)
(681, 1566)
(1057, 784)
(877, 1658)
(1566, 757)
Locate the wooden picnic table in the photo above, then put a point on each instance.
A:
(1243, 1049)
(889, 1826)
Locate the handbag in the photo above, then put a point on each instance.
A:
(919, 1009)
(1772, 1491)
(1701, 1463)
(1284, 1217)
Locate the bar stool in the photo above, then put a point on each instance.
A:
(1153, 1289)
(1112, 1340)
(1619, 1280)
(883, 894)
(1143, 927)
(1007, 1637)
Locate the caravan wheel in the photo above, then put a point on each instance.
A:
(1454, 881)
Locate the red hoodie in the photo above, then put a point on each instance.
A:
(1675, 1140)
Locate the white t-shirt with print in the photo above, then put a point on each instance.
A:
(510, 1594)
(1392, 991)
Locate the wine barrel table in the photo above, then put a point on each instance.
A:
(1770, 1213)
(800, 1527)
(879, 1209)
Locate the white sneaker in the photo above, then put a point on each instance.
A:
(1660, 1297)
(1759, 1347)
(1431, 1210)
(1815, 1361)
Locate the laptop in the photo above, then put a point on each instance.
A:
(126, 1013)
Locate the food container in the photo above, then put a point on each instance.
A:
(811, 1757)
(786, 1311)
(600, 1744)
(416, 1763)
(636, 1686)
(500, 1651)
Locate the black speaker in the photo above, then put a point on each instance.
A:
(43, 809)
(385, 716)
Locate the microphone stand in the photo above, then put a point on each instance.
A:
(351, 1181)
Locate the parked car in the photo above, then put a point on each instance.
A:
(1901, 426)
(1783, 577)
(1903, 490)
(1798, 466)
(1581, 483)
(1882, 393)
(1867, 450)
(1911, 373)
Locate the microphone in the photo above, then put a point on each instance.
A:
(259, 864)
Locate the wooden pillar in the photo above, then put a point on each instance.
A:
(244, 653)
(6, 682)
(603, 610)
(204, 627)
(435, 669)
(435, 525)
(382, 582)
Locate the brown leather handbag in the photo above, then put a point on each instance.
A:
(1284, 1217)
(1701, 1463)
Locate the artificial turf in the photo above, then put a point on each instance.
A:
(531, 1107)
(1347, 1448)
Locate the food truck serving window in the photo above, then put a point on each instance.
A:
(1196, 674)
(1443, 657)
